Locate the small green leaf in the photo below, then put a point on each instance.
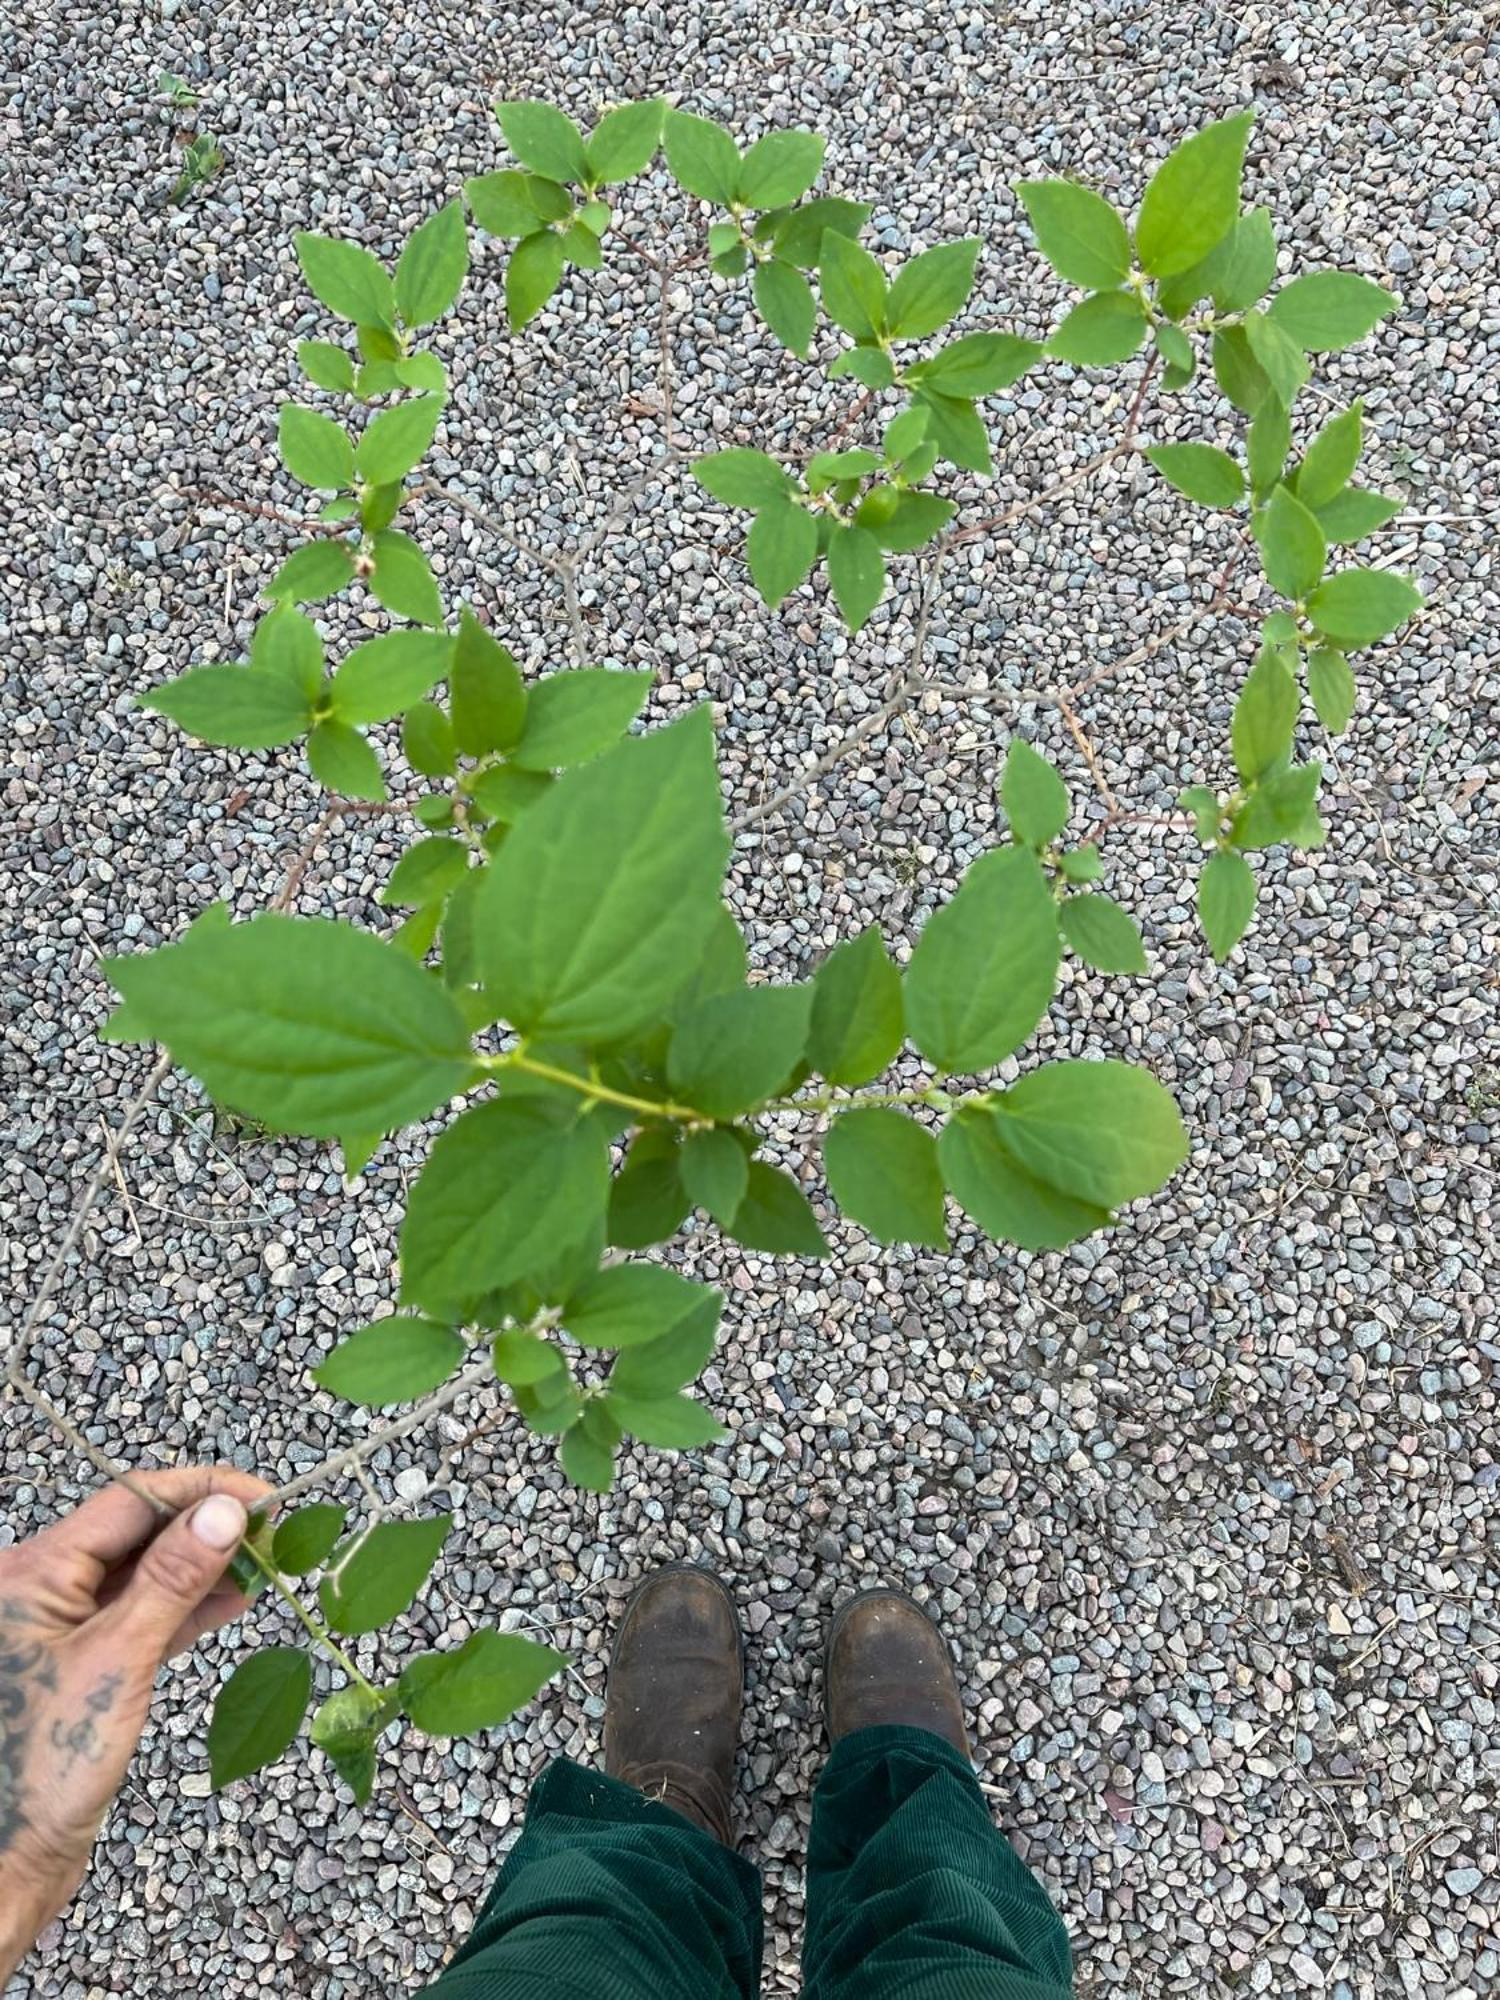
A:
(658, 1367)
(587, 1450)
(477, 1685)
(903, 520)
(674, 1423)
(781, 548)
(427, 740)
(647, 1202)
(422, 371)
(344, 763)
(391, 1361)
(257, 1712)
(346, 1728)
(1359, 606)
(503, 794)
(1201, 471)
(883, 1172)
(1325, 310)
(1237, 372)
(1176, 350)
(544, 139)
(1282, 361)
(531, 277)
(1082, 864)
(1035, 798)
(1192, 200)
(980, 364)
(487, 697)
(1329, 461)
(1226, 901)
(1103, 935)
(1100, 330)
(866, 364)
(394, 441)
(347, 279)
(780, 168)
(856, 570)
(522, 1358)
(734, 1050)
(1267, 443)
(983, 970)
(304, 1539)
(1265, 717)
(784, 299)
(703, 158)
(797, 238)
(583, 248)
(1330, 682)
(425, 873)
(853, 287)
(624, 142)
(742, 478)
(1239, 270)
(1351, 515)
(325, 366)
(575, 714)
(505, 204)
(1207, 812)
(1282, 806)
(245, 708)
(957, 430)
(1292, 549)
(715, 1172)
(313, 572)
(856, 1025)
(776, 1216)
(314, 449)
(1077, 232)
(402, 579)
(931, 289)
(433, 266)
(380, 1576)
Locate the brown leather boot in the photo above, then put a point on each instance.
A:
(672, 1706)
(888, 1663)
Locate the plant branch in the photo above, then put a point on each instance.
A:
(316, 1630)
(491, 526)
(679, 1114)
(470, 1377)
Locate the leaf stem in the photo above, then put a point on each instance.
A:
(678, 1114)
(315, 1629)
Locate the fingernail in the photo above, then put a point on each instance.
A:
(219, 1521)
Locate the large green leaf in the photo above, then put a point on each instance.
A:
(1325, 310)
(1359, 606)
(304, 1538)
(384, 676)
(857, 1021)
(257, 1712)
(658, 1367)
(313, 572)
(853, 287)
(306, 1025)
(1100, 330)
(544, 139)
(703, 158)
(395, 439)
(624, 142)
(979, 364)
(883, 1172)
(314, 449)
(676, 1423)
(785, 301)
(1103, 935)
(599, 904)
(1077, 232)
(245, 708)
(1292, 548)
(1104, 1133)
(1329, 461)
(380, 1576)
(1005, 1200)
(509, 1187)
(781, 548)
(402, 578)
(532, 275)
(1192, 200)
(1331, 685)
(340, 758)
(930, 290)
(477, 1685)
(780, 168)
(985, 965)
(348, 280)
(488, 699)
(1226, 901)
(631, 1305)
(1201, 471)
(734, 1050)
(391, 1361)
(856, 570)
(574, 714)
(776, 1216)
(1265, 717)
(648, 1202)
(715, 1172)
(433, 266)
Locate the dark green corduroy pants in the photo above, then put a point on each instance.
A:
(912, 1894)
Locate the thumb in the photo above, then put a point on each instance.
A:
(177, 1570)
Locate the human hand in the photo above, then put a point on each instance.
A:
(89, 1610)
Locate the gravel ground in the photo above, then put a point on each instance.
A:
(1208, 1505)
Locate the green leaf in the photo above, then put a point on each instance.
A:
(624, 142)
(391, 1361)
(503, 794)
(715, 1172)
(1267, 443)
(379, 506)
(856, 570)
(342, 761)
(983, 970)
(425, 873)
(865, 364)
(657, 1367)
(544, 139)
(1192, 200)
(433, 266)
(1226, 901)
(1325, 310)
(901, 521)
(856, 1025)
(1329, 461)
(245, 708)
(781, 548)
(583, 248)
(572, 715)
(1237, 372)
(742, 478)
(531, 276)
(1104, 1133)
(522, 1358)
(734, 1050)
(1201, 471)
(1281, 359)
(1239, 270)
(1265, 717)
(776, 1216)
(703, 158)
(258, 1712)
(1282, 806)
(1292, 549)
(674, 1423)
(384, 676)
(829, 468)
(1330, 682)
(587, 1451)
(632, 1305)
(402, 580)
(381, 1575)
(780, 168)
(427, 740)
(602, 899)
(487, 697)
(305, 1538)
(1351, 515)
(931, 289)
(313, 572)
(314, 449)
(348, 280)
(797, 238)
(478, 1685)
(883, 1172)
(1100, 330)
(853, 287)
(509, 1185)
(784, 299)
(1082, 864)
(647, 1202)
(1103, 935)
(1035, 798)
(957, 430)
(995, 1189)
(1077, 232)
(304, 1025)
(422, 371)
(1176, 350)
(394, 441)
(1207, 812)
(1359, 606)
(346, 1728)
(325, 366)
(505, 204)
(979, 364)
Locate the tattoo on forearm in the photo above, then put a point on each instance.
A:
(25, 1667)
(81, 1738)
